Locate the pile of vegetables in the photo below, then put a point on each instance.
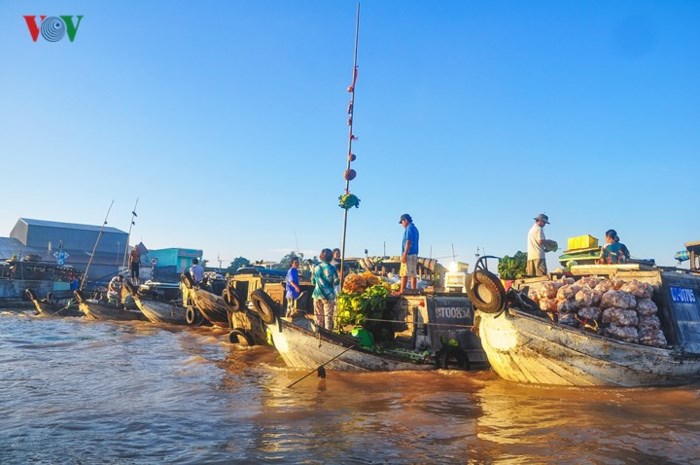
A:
(512, 267)
(363, 296)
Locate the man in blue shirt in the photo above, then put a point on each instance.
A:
(292, 285)
(197, 271)
(409, 252)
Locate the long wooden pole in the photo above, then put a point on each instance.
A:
(94, 248)
(128, 236)
(351, 110)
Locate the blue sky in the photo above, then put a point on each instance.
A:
(227, 119)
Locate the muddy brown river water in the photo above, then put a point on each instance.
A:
(74, 391)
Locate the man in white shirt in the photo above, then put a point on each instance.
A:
(536, 263)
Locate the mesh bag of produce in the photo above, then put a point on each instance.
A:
(646, 307)
(620, 316)
(649, 322)
(622, 333)
(620, 299)
(586, 297)
(567, 306)
(568, 291)
(533, 295)
(638, 289)
(617, 283)
(548, 305)
(590, 313)
(652, 337)
(604, 286)
(590, 281)
(568, 319)
(548, 290)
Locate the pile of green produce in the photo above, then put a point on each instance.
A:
(512, 267)
(354, 309)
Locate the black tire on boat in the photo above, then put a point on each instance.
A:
(231, 299)
(486, 291)
(264, 306)
(452, 357)
(241, 337)
(193, 317)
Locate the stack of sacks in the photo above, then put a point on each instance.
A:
(625, 309)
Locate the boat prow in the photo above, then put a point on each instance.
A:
(54, 304)
(97, 310)
(157, 311)
(202, 302)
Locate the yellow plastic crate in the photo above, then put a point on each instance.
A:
(582, 242)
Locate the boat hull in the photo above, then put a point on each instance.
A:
(530, 349)
(59, 307)
(161, 312)
(211, 306)
(103, 311)
(300, 347)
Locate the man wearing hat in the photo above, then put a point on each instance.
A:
(536, 263)
(409, 252)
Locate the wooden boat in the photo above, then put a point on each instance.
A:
(157, 311)
(303, 345)
(523, 344)
(202, 303)
(427, 332)
(59, 303)
(31, 273)
(101, 310)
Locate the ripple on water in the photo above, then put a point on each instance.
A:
(79, 391)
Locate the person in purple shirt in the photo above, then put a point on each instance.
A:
(292, 286)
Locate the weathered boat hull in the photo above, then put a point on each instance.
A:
(161, 312)
(211, 306)
(102, 311)
(530, 349)
(59, 307)
(157, 311)
(301, 347)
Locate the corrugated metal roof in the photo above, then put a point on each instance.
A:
(10, 246)
(57, 224)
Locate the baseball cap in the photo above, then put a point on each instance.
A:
(542, 217)
(406, 217)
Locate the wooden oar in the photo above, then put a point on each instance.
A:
(321, 371)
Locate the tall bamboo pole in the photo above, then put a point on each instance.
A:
(128, 236)
(351, 137)
(94, 248)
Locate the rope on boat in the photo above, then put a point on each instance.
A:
(453, 325)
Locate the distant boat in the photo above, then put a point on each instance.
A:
(158, 311)
(100, 310)
(59, 303)
(31, 273)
